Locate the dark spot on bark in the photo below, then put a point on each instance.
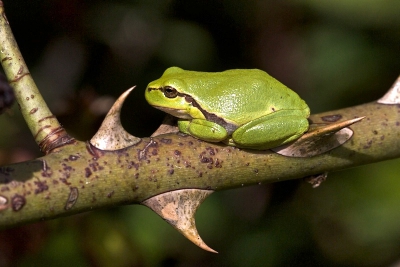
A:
(154, 152)
(171, 171)
(177, 153)
(133, 164)
(375, 131)
(66, 167)
(210, 151)
(136, 175)
(88, 172)
(41, 186)
(255, 170)
(94, 166)
(166, 141)
(109, 195)
(4, 188)
(200, 174)
(32, 111)
(17, 202)
(331, 118)
(218, 163)
(47, 173)
(64, 180)
(368, 145)
(72, 198)
(382, 137)
(205, 159)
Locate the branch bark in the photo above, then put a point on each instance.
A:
(80, 177)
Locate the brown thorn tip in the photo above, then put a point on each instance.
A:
(178, 209)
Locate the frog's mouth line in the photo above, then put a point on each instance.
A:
(179, 113)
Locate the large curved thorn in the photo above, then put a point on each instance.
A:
(319, 140)
(178, 209)
(111, 135)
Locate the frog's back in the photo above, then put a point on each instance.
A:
(240, 95)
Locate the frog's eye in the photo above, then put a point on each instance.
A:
(170, 92)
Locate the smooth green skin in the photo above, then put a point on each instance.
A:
(246, 108)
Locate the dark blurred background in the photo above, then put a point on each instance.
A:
(84, 54)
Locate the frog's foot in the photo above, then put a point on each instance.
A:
(203, 129)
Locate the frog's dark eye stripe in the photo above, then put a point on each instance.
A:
(170, 92)
(6, 94)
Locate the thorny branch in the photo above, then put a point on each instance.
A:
(166, 169)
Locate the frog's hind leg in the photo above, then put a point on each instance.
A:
(270, 131)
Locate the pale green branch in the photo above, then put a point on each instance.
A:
(44, 126)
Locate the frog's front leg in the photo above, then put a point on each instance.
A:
(272, 130)
(203, 129)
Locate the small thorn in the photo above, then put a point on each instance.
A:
(393, 95)
(319, 140)
(167, 126)
(111, 135)
(178, 209)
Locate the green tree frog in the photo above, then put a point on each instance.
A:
(246, 108)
